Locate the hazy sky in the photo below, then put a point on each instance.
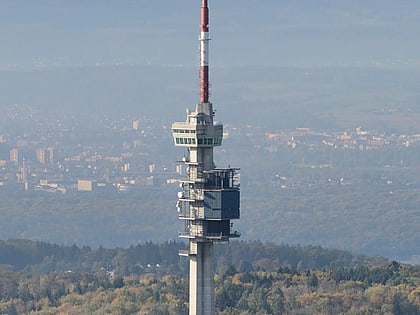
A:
(160, 32)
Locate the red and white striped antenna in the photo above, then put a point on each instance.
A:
(204, 53)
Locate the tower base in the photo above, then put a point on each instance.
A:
(201, 278)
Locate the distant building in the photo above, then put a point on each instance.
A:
(136, 124)
(50, 151)
(152, 181)
(84, 185)
(126, 167)
(22, 176)
(14, 155)
(136, 143)
(40, 155)
(43, 182)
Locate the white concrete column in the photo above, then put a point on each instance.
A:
(201, 280)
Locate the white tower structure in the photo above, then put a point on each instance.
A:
(209, 197)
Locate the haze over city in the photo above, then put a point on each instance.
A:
(76, 76)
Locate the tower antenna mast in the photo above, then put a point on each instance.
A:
(204, 53)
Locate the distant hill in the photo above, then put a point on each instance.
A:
(250, 279)
(44, 258)
(326, 98)
(245, 32)
(305, 63)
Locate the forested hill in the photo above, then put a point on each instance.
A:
(42, 258)
(251, 278)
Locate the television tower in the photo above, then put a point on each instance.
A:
(209, 196)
